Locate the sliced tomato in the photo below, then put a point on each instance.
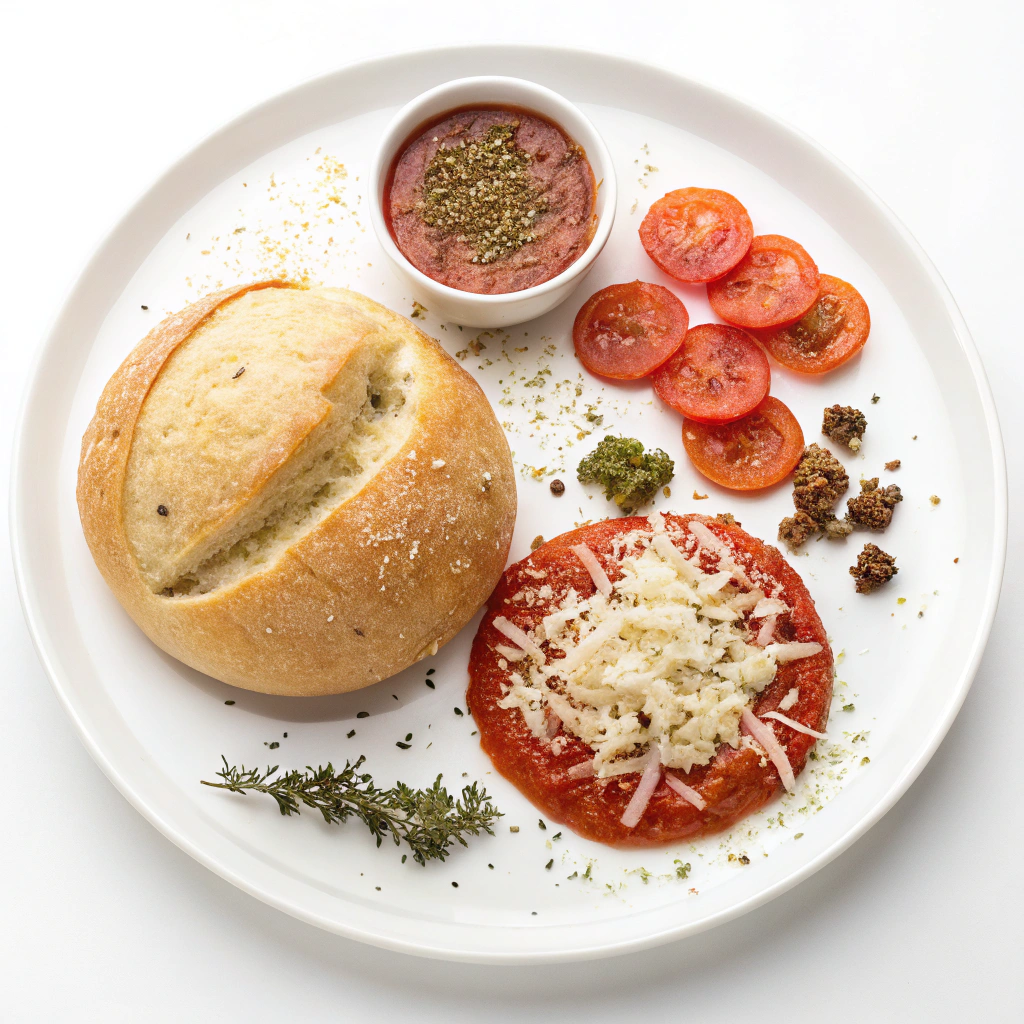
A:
(627, 331)
(757, 451)
(696, 234)
(775, 283)
(718, 375)
(833, 330)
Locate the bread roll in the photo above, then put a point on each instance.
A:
(295, 490)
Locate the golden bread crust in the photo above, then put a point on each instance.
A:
(389, 574)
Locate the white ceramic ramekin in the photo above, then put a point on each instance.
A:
(469, 308)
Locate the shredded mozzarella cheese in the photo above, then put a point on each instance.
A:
(583, 770)
(594, 567)
(763, 734)
(511, 653)
(767, 631)
(688, 793)
(797, 726)
(663, 663)
(791, 652)
(642, 795)
(517, 636)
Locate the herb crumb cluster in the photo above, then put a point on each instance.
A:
(483, 193)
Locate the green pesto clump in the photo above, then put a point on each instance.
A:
(629, 475)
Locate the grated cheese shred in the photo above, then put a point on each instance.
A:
(663, 665)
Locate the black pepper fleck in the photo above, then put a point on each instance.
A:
(238, 373)
(161, 510)
(557, 487)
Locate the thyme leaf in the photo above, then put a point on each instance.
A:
(428, 820)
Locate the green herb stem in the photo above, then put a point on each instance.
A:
(428, 820)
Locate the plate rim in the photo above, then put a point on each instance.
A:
(900, 782)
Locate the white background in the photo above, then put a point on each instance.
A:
(101, 919)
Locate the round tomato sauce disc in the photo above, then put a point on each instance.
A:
(626, 331)
(756, 451)
(775, 283)
(733, 785)
(833, 330)
(718, 375)
(696, 234)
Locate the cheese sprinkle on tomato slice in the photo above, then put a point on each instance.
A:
(664, 663)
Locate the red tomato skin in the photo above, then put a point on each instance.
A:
(783, 342)
(734, 784)
(626, 331)
(718, 375)
(749, 454)
(775, 283)
(696, 235)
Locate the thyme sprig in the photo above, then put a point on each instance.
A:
(428, 820)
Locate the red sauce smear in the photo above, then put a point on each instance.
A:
(559, 170)
(733, 785)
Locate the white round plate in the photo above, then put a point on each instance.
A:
(268, 194)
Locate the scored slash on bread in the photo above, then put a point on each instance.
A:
(314, 524)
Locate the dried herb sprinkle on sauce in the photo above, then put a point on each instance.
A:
(483, 193)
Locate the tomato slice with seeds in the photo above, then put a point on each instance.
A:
(754, 452)
(718, 375)
(626, 331)
(833, 330)
(775, 283)
(696, 234)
